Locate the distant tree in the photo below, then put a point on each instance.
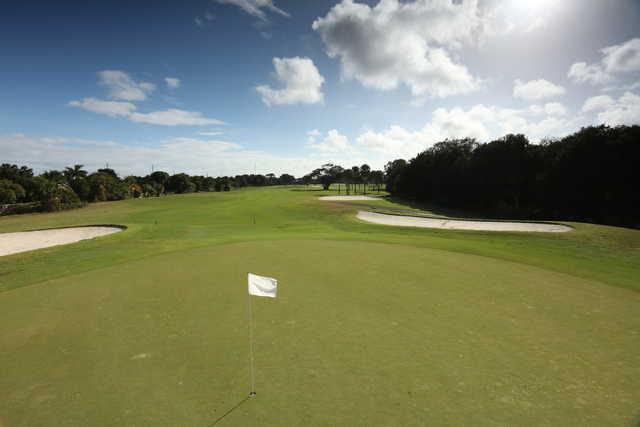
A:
(54, 176)
(327, 174)
(307, 179)
(365, 171)
(159, 177)
(286, 179)
(355, 176)
(108, 171)
(75, 173)
(271, 179)
(180, 183)
(377, 178)
(76, 177)
(104, 186)
(11, 192)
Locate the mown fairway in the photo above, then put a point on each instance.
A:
(374, 325)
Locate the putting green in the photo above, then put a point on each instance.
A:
(363, 332)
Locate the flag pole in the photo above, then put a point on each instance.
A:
(253, 382)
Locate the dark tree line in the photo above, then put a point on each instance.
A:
(591, 175)
(22, 191)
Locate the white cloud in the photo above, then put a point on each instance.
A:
(394, 142)
(174, 117)
(480, 121)
(214, 132)
(620, 58)
(301, 81)
(334, 142)
(256, 7)
(536, 89)
(202, 21)
(170, 117)
(190, 155)
(110, 108)
(623, 111)
(172, 82)
(581, 72)
(550, 109)
(623, 57)
(599, 102)
(406, 43)
(122, 86)
(502, 18)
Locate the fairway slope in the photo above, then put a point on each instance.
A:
(372, 325)
(459, 224)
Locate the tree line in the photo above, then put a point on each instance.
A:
(354, 178)
(22, 191)
(591, 175)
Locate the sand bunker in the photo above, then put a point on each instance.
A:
(458, 224)
(13, 243)
(346, 198)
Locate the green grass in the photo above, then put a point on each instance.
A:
(374, 325)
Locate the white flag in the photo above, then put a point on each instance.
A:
(261, 286)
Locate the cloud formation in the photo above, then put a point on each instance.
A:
(100, 106)
(333, 142)
(405, 43)
(172, 82)
(616, 59)
(256, 8)
(581, 72)
(622, 111)
(170, 117)
(191, 155)
(174, 117)
(122, 86)
(301, 83)
(480, 121)
(536, 89)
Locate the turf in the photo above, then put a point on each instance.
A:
(374, 325)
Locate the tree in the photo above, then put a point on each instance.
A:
(393, 171)
(286, 179)
(377, 178)
(365, 170)
(108, 171)
(10, 192)
(355, 176)
(327, 175)
(74, 173)
(76, 177)
(104, 186)
(180, 183)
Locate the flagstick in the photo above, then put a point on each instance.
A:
(253, 381)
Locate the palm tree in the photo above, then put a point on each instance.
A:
(75, 173)
(365, 171)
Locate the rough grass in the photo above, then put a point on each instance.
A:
(373, 325)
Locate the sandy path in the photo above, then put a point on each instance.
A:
(12, 243)
(458, 224)
(346, 198)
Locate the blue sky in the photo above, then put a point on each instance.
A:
(283, 86)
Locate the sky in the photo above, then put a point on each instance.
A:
(225, 87)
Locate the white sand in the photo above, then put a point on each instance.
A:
(12, 243)
(458, 224)
(346, 198)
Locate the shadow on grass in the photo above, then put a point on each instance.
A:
(435, 209)
(233, 408)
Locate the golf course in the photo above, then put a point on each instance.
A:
(373, 324)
